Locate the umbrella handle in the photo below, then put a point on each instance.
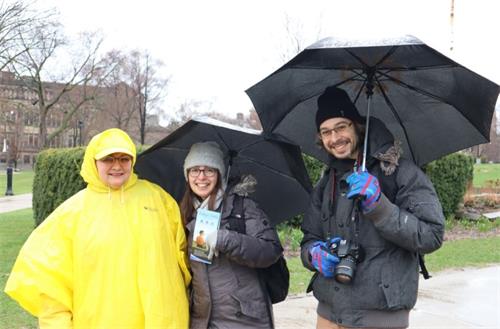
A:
(365, 143)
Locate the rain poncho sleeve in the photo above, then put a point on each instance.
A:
(54, 314)
(178, 232)
(43, 270)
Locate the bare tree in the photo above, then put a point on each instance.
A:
(149, 86)
(133, 90)
(117, 98)
(45, 45)
(296, 38)
(14, 17)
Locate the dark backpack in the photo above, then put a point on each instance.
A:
(275, 279)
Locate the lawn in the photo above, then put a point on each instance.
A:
(14, 230)
(22, 182)
(485, 173)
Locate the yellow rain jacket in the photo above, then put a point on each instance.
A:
(106, 258)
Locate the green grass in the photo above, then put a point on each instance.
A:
(15, 228)
(464, 253)
(481, 225)
(22, 182)
(484, 173)
(299, 275)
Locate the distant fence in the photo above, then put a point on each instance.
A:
(490, 193)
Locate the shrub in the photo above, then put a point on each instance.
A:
(314, 169)
(57, 177)
(451, 176)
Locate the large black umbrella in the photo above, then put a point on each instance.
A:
(432, 104)
(283, 184)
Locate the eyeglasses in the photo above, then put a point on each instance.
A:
(338, 129)
(196, 171)
(110, 161)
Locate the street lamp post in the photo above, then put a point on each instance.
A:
(8, 119)
(80, 127)
(9, 181)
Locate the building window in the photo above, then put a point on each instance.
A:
(26, 159)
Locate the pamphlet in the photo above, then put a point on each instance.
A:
(207, 222)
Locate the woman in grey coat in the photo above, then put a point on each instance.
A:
(227, 293)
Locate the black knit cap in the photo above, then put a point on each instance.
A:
(335, 103)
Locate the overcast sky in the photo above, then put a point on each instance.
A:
(214, 50)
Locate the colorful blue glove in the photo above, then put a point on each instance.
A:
(322, 259)
(365, 186)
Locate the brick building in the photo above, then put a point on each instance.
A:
(19, 119)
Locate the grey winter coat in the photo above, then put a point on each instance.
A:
(407, 221)
(227, 293)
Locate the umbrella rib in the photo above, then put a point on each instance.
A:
(366, 66)
(170, 148)
(220, 137)
(418, 90)
(421, 68)
(275, 171)
(396, 115)
(280, 118)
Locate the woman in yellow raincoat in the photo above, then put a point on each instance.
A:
(111, 256)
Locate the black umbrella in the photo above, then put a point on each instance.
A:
(432, 104)
(283, 185)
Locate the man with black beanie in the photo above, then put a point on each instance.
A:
(364, 230)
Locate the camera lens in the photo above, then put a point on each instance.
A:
(344, 271)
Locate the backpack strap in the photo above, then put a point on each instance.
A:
(423, 268)
(237, 217)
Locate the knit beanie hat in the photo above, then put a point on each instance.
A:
(205, 154)
(335, 103)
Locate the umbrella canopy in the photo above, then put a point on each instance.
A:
(283, 185)
(432, 104)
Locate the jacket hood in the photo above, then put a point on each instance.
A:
(243, 186)
(109, 141)
(383, 147)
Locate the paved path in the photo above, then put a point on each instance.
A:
(15, 202)
(492, 215)
(452, 299)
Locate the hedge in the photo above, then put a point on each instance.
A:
(57, 177)
(451, 176)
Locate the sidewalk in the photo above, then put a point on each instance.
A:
(15, 202)
(459, 299)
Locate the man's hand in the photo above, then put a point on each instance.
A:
(322, 259)
(365, 186)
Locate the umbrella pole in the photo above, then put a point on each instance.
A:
(369, 93)
(365, 143)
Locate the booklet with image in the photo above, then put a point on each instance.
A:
(207, 222)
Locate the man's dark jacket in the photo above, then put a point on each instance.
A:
(407, 221)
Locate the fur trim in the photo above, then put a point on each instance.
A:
(245, 186)
(390, 159)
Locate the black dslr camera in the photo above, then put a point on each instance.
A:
(350, 254)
